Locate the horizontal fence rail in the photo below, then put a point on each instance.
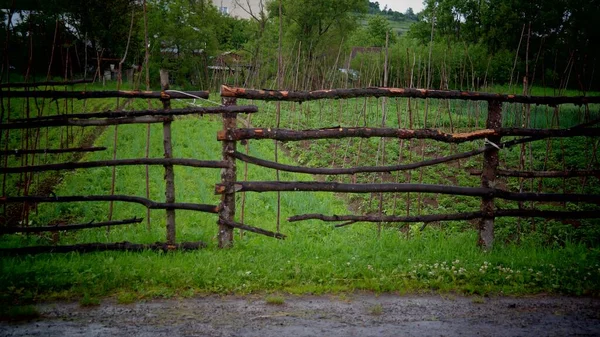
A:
(544, 174)
(86, 123)
(302, 96)
(117, 162)
(21, 152)
(119, 117)
(457, 138)
(38, 229)
(156, 112)
(103, 247)
(56, 94)
(449, 217)
(308, 186)
(123, 198)
(42, 84)
(252, 229)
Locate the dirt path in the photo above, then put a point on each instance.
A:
(346, 315)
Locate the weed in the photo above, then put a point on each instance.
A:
(275, 300)
(478, 300)
(126, 298)
(376, 309)
(19, 313)
(89, 301)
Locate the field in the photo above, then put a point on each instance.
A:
(532, 256)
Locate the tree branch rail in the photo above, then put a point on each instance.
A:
(33, 229)
(340, 132)
(124, 198)
(302, 96)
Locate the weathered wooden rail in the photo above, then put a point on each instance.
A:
(492, 135)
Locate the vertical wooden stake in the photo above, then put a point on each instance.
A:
(228, 178)
(488, 177)
(169, 173)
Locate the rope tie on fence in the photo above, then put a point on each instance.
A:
(193, 96)
(488, 142)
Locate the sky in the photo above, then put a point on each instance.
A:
(401, 5)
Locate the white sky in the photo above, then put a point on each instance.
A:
(401, 5)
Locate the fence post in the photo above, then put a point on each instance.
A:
(488, 177)
(228, 178)
(169, 173)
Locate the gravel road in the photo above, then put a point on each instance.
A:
(358, 314)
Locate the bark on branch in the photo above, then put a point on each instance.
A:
(301, 96)
(15, 229)
(84, 123)
(42, 84)
(124, 198)
(117, 162)
(20, 152)
(391, 168)
(138, 113)
(544, 174)
(101, 247)
(339, 132)
(306, 186)
(449, 217)
(56, 94)
(252, 229)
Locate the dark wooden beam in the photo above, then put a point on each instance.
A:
(117, 162)
(309, 186)
(301, 96)
(124, 198)
(38, 229)
(363, 132)
(56, 94)
(102, 247)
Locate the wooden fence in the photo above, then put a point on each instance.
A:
(488, 192)
(93, 119)
(230, 135)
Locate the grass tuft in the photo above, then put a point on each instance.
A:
(275, 300)
(19, 313)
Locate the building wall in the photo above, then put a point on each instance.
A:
(239, 8)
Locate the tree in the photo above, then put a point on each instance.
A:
(377, 28)
(410, 14)
(317, 23)
(563, 31)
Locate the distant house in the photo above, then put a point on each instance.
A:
(240, 8)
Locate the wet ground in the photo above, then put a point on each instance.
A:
(334, 315)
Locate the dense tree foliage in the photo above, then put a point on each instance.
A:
(317, 23)
(559, 33)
